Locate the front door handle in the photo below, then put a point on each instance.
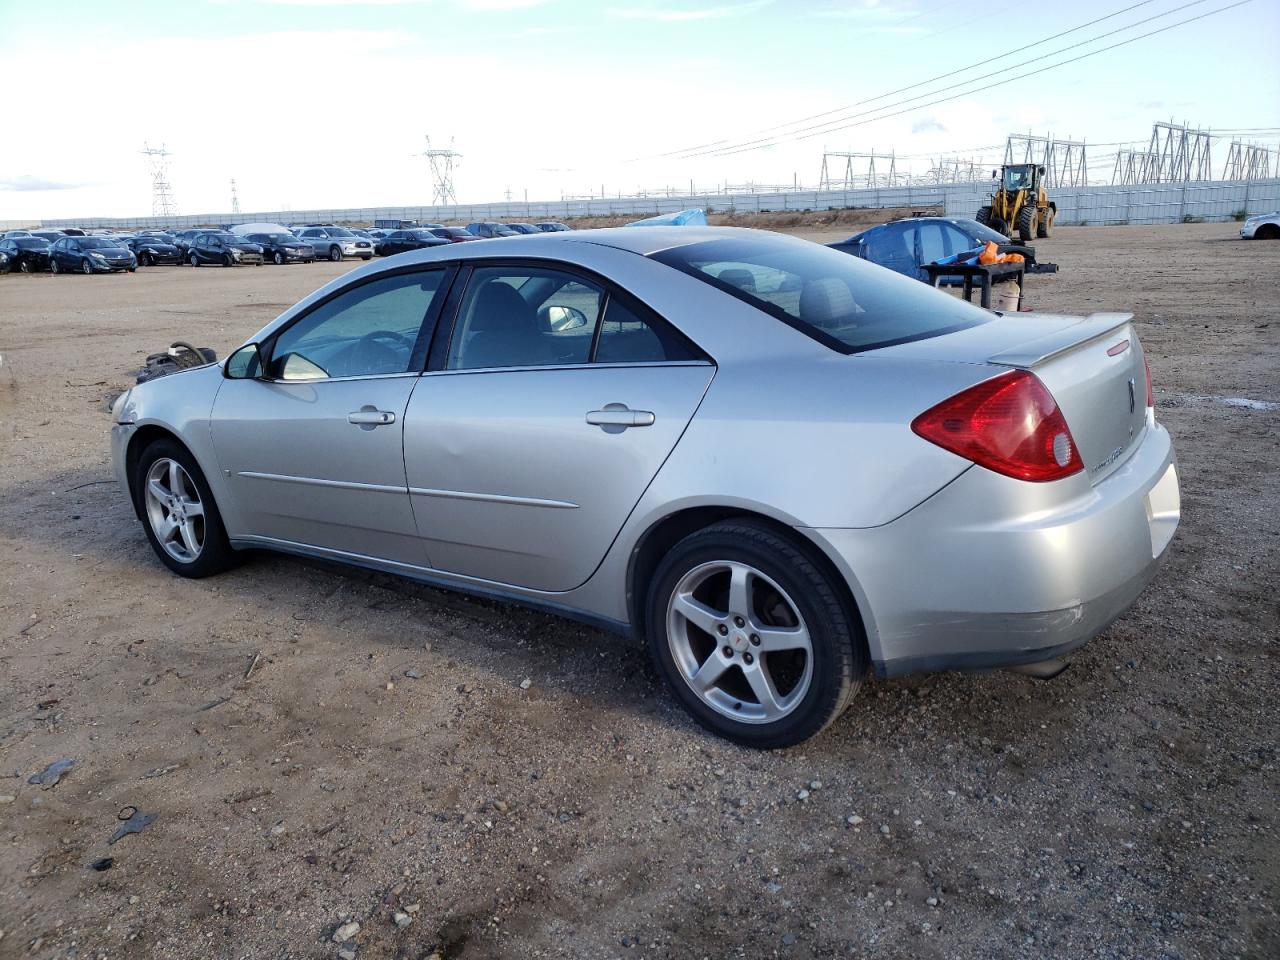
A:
(621, 416)
(371, 417)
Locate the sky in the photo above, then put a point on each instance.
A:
(327, 103)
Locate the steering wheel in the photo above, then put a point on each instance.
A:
(371, 355)
(386, 335)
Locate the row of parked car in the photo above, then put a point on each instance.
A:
(73, 251)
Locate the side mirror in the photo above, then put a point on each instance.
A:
(244, 364)
(563, 318)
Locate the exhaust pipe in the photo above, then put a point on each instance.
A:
(1044, 670)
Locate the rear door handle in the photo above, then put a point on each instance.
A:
(619, 415)
(369, 417)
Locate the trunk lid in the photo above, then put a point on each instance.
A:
(1092, 365)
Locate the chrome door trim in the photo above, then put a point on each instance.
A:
(317, 482)
(364, 376)
(493, 498)
(570, 366)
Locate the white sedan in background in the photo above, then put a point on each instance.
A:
(1264, 226)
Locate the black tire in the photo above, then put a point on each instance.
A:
(227, 261)
(1045, 225)
(999, 226)
(335, 253)
(1268, 231)
(216, 554)
(195, 260)
(278, 258)
(145, 260)
(1027, 223)
(53, 266)
(86, 267)
(132, 269)
(839, 653)
(24, 266)
(366, 256)
(983, 216)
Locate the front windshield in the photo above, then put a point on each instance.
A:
(31, 243)
(841, 301)
(97, 243)
(1016, 178)
(339, 232)
(273, 237)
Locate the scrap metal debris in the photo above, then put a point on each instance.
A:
(135, 824)
(180, 356)
(50, 775)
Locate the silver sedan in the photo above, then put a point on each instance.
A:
(779, 465)
(1263, 226)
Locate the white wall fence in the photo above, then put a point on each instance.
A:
(1147, 203)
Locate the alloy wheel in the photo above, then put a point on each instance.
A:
(174, 510)
(739, 641)
(86, 267)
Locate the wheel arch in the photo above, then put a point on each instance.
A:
(142, 438)
(667, 531)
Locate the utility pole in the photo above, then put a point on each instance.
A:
(442, 162)
(162, 203)
(235, 200)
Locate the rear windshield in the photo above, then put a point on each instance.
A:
(843, 302)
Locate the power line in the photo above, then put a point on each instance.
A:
(942, 76)
(804, 134)
(985, 76)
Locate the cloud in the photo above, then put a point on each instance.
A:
(927, 125)
(483, 5)
(29, 184)
(683, 14)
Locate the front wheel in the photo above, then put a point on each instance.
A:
(1026, 223)
(1268, 231)
(179, 515)
(145, 260)
(86, 267)
(53, 267)
(24, 266)
(278, 258)
(335, 254)
(195, 261)
(227, 261)
(753, 636)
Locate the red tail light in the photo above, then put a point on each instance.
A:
(1151, 391)
(1010, 424)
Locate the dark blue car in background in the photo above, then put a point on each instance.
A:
(904, 245)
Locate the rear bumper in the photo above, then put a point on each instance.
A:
(993, 572)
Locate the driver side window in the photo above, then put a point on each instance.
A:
(366, 331)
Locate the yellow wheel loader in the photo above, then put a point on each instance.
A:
(1020, 204)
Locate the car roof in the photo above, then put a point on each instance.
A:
(649, 240)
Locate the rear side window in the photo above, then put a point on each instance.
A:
(841, 301)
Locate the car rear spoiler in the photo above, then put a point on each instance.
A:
(1035, 352)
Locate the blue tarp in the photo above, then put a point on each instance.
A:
(685, 218)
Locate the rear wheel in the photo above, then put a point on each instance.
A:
(1045, 225)
(752, 635)
(335, 253)
(983, 216)
(1026, 223)
(179, 515)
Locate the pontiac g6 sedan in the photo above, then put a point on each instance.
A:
(780, 465)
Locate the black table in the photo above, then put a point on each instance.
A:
(979, 274)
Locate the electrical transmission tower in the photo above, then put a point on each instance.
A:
(954, 170)
(1177, 154)
(866, 175)
(1247, 161)
(442, 162)
(162, 204)
(1063, 160)
(235, 200)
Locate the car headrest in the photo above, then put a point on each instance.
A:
(501, 309)
(826, 302)
(742, 279)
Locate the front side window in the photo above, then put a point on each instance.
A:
(841, 301)
(367, 331)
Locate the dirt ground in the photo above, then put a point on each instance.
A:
(383, 755)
